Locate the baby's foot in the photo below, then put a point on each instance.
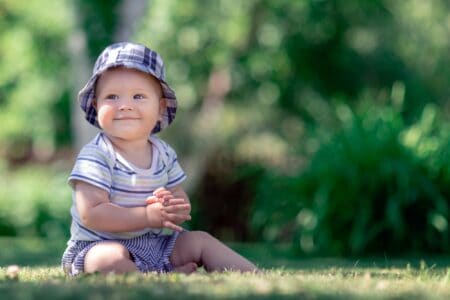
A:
(187, 268)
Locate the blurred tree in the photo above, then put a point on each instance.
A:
(253, 72)
(98, 24)
(34, 78)
(262, 85)
(254, 78)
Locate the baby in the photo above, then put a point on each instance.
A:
(127, 182)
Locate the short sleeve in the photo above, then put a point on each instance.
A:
(175, 173)
(92, 166)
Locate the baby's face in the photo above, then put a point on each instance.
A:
(128, 103)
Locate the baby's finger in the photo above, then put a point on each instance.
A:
(176, 218)
(174, 201)
(161, 192)
(151, 200)
(165, 199)
(170, 225)
(158, 190)
(177, 208)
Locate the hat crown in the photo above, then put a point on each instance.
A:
(130, 55)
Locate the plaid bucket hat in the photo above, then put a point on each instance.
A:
(133, 56)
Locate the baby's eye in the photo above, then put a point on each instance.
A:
(112, 97)
(138, 97)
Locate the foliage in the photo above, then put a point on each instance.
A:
(375, 185)
(35, 201)
(287, 61)
(99, 19)
(271, 85)
(268, 75)
(34, 65)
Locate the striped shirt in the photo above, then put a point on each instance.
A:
(127, 185)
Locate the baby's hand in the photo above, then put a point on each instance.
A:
(178, 208)
(163, 195)
(152, 200)
(160, 195)
(174, 211)
(156, 217)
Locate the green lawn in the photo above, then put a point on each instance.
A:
(284, 276)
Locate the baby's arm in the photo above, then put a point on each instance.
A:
(98, 213)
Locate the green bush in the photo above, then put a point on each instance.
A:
(35, 201)
(374, 186)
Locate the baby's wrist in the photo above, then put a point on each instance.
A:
(154, 216)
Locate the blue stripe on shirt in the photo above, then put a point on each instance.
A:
(124, 171)
(94, 161)
(176, 179)
(89, 179)
(97, 140)
(132, 191)
(159, 171)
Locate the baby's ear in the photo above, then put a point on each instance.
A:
(94, 103)
(162, 105)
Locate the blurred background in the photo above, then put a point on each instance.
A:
(317, 124)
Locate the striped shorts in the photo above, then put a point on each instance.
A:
(150, 252)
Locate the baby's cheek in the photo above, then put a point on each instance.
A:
(105, 114)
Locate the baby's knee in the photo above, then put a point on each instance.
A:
(105, 257)
(193, 242)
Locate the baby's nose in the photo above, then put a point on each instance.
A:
(125, 107)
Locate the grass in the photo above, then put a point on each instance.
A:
(284, 276)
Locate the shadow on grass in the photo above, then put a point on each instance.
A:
(45, 252)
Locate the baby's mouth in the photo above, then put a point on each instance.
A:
(125, 118)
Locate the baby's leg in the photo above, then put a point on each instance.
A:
(108, 257)
(203, 249)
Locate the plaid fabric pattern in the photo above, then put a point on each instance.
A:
(133, 56)
(149, 252)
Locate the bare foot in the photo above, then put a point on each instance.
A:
(187, 268)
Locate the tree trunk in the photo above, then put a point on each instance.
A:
(209, 116)
(130, 12)
(82, 131)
